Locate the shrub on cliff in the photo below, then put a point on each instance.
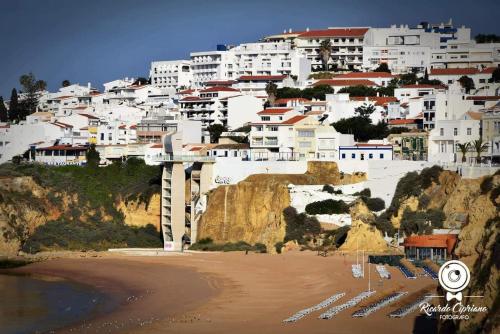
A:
(430, 175)
(422, 222)
(365, 192)
(300, 227)
(207, 244)
(384, 225)
(91, 235)
(331, 190)
(374, 204)
(327, 207)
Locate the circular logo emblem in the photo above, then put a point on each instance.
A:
(454, 276)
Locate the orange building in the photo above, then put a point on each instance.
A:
(434, 247)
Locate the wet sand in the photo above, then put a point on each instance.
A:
(228, 293)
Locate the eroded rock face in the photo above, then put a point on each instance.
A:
(25, 205)
(252, 210)
(363, 236)
(141, 214)
(359, 211)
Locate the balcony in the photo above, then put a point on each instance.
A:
(182, 158)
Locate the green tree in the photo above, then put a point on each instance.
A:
(365, 110)
(325, 51)
(14, 106)
(383, 67)
(487, 38)
(31, 90)
(272, 92)
(359, 91)
(362, 128)
(4, 116)
(407, 79)
(479, 147)
(495, 76)
(65, 83)
(215, 131)
(93, 157)
(464, 148)
(467, 83)
(317, 92)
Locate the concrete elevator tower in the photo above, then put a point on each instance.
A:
(181, 208)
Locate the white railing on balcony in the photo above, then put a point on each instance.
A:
(181, 158)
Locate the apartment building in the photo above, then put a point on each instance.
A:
(212, 65)
(490, 126)
(347, 47)
(256, 84)
(272, 58)
(339, 106)
(450, 75)
(174, 74)
(362, 152)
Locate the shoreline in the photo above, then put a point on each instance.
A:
(226, 292)
(135, 295)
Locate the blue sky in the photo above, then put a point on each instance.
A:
(101, 40)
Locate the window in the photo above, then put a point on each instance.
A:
(455, 132)
(272, 128)
(102, 136)
(306, 133)
(353, 155)
(110, 136)
(265, 118)
(343, 155)
(381, 155)
(304, 144)
(441, 132)
(362, 156)
(469, 131)
(370, 156)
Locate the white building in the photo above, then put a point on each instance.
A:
(242, 109)
(271, 58)
(366, 152)
(347, 46)
(339, 106)
(256, 84)
(211, 65)
(209, 107)
(451, 75)
(174, 74)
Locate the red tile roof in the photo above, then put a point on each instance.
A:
(423, 86)
(156, 146)
(483, 98)
(402, 121)
(337, 32)
(489, 70)
(63, 148)
(190, 98)
(219, 89)
(133, 127)
(261, 77)
(447, 241)
(88, 116)
(332, 82)
(197, 148)
(454, 71)
(123, 126)
(294, 119)
(475, 115)
(294, 99)
(364, 75)
(379, 100)
(186, 91)
(274, 111)
(220, 83)
(62, 125)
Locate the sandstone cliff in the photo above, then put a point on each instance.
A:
(25, 205)
(252, 210)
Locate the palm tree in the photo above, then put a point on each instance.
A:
(479, 147)
(464, 148)
(325, 51)
(272, 91)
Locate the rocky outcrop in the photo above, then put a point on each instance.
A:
(25, 205)
(252, 210)
(137, 213)
(363, 236)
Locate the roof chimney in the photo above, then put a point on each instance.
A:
(307, 29)
(290, 30)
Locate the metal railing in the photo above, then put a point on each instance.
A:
(182, 158)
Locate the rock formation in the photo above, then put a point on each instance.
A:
(252, 210)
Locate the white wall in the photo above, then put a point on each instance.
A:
(233, 170)
(243, 109)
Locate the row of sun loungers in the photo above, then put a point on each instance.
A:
(407, 309)
(365, 311)
(408, 274)
(430, 272)
(383, 272)
(352, 302)
(299, 315)
(356, 271)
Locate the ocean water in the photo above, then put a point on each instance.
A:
(37, 304)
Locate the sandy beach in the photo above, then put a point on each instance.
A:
(227, 292)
